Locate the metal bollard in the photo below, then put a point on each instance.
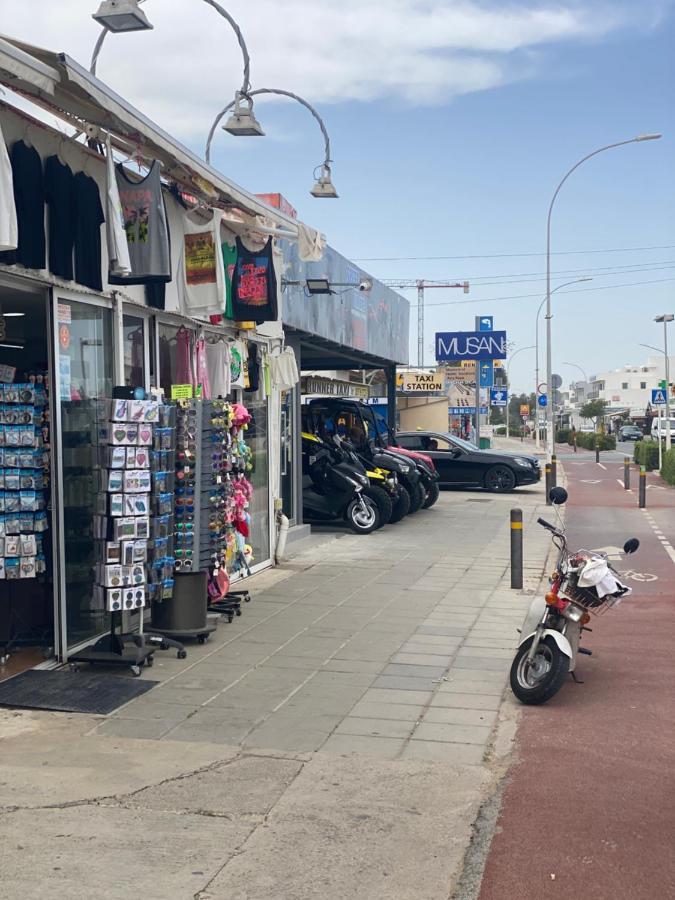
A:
(554, 470)
(597, 451)
(626, 473)
(517, 549)
(643, 488)
(547, 475)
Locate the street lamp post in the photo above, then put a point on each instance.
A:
(508, 367)
(536, 344)
(665, 318)
(583, 372)
(549, 409)
(324, 186)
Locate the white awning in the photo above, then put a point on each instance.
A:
(19, 70)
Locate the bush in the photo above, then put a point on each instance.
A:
(501, 429)
(646, 454)
(668, 468)
(588, 440)
(563, 436)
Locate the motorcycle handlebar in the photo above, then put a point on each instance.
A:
(546, 524)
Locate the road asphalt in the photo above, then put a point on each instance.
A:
(588, 808)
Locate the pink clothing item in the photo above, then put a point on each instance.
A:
(202, 371)
(184, 371)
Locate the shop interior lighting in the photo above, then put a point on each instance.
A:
(324, 186)
(122, 15)
(242, 122)
(318, 286)
(12, 315)
(12, 346)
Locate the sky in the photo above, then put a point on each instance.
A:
(451, 124)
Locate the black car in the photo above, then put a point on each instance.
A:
(629, 433)
(461, 464)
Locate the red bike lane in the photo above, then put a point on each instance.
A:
(589, 806)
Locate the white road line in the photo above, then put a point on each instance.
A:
(602, 467)
(663, 540)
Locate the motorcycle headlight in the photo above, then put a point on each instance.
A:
(573, 613)
(405, 468)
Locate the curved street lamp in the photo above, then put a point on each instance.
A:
(508, 366)
(549, 408)
(324, 186)
(126, 15)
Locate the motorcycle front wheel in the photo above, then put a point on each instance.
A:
(382, 500)
(362, 515)
(536, 682)
(401, 506)
(433, 494)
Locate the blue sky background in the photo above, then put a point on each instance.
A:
(427, 160)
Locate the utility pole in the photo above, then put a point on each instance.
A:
(422, 284)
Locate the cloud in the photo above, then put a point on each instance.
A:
(329, 51)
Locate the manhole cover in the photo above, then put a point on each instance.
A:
(479, 500)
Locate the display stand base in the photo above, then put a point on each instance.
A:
(201, 634)
(230, 605)
(116, 650)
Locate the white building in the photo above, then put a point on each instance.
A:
(628, 389)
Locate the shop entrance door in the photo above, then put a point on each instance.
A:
(289, 431)
(84, 374)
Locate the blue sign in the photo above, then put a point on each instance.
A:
(485, 323)
(487, 373)
(459, 345)
(542, 400)
(498, 397)
(466, 410)
(658, 396)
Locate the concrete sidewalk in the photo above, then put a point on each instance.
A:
(335, 742)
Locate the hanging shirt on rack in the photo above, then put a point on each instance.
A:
(284, 370)
(253, 367)
(89, 218)
(9, 232)
(203, 272)
(201, 368)
(254, 285)
(184, 370)
(218, 365)
(229, 262)
(60, 197)
(29, 200)
(237, 358)
(147, 228)
(118, 249)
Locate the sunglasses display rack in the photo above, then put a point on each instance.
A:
(124, 509)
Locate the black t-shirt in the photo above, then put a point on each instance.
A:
(88, 220)
(60, 197)
(253, 368)
(254, 285)
(29, 199)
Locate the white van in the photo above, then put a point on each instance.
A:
(660, 429)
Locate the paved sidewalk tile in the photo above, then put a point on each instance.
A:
(459, 700)
(346, 744)
(414, 671)
(392, 728)
(422, 659)
(376, 710)
(439, 715)
(435, 751)
(400, 683)
(406, 697)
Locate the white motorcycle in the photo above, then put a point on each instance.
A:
(583, 585)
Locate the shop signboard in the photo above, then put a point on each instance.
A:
(420, 382)
(466, 410)
(333, 387)
(475, 345)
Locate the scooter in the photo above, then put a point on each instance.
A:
(333, 489)
(384, 488)
(583, 585)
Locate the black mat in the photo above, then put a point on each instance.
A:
(65, 691)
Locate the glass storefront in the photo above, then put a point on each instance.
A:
(257, 438)
(287, 433)
(85, 374)
(133, 343)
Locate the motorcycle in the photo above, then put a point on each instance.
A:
(335, 489)
(583, 585)
(384, 488)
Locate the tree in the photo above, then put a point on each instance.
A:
(594, 409)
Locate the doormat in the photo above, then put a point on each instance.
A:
(60, 690)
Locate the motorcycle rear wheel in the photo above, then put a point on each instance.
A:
(417, 498)
(536, 683)
(401, 506)
(433, 494)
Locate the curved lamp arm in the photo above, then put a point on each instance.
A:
(327, 161)
(246, 83)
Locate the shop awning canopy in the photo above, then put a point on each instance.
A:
(319, 354)
(59, 84)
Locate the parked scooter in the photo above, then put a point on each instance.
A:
(583, 585)
(384, 488)
(335, 489)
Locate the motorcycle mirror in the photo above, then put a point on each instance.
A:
(558, 496)
(631, 545)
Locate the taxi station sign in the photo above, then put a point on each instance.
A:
(420, 382)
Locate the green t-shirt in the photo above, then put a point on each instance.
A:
(229, 262)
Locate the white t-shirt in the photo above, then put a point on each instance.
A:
(203, 272)
(218, 366)
(9, 234)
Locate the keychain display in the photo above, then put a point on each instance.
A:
(24, 477)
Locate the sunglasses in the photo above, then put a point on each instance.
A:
(185, 564)
(184, 552)
(185, 526)
(185, 489)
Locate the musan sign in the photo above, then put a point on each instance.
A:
(460, 345)
(421, 382)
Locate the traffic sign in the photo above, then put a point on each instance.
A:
(542, 400)
(498, 397)
(658, 396)
(466, 410)
(556, 381)
(487, 373)
(541, 388)
(485, 323)
(524, 409)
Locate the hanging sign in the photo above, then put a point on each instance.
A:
(64, 313)
(498, 397)
(461, 345)
(64, 337)
(182, 391)
(420, 382)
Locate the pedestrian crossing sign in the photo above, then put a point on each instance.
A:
(658, 397)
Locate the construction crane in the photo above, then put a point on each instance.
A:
(421, 284)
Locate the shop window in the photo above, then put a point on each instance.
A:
(133, 337)
(257, 439)
(643, 385)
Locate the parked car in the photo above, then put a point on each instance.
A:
(629, 433)
(461, 464)
(660, 429)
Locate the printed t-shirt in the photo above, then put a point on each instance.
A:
(254, 285)
(203, 269)
(229, 262)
